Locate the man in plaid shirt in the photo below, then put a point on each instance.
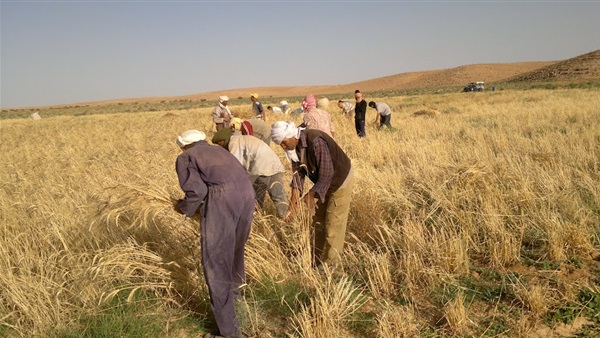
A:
(315, 154)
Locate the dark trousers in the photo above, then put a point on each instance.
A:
(225, 227)
(360, 127)
(385, 121)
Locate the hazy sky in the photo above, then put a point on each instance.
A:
(55, 52)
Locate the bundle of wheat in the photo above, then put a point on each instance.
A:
(429, 112)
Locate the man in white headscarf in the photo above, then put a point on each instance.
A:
(221, 114)
(211, 175)
(315, 154)
(285, 107)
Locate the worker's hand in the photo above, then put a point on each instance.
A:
(309, 199)
(291, 215)
(176, 207)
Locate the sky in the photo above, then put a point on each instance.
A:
(65, 52)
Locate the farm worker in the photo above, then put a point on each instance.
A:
(221, 113)
(323, 103)
(261, 162)
(315, 118)
(285, 107)
(210, 174)
(257, 107)
(241, 127)
(255, 127)
(384, 113)
(360, 111)
(275, 110)
(297, 112)
(313, 153)
(346, 107)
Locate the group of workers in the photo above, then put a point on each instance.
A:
(236, 172)
(383, 112)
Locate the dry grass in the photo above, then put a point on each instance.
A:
(496, 181)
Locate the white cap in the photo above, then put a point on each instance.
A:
(223, 98)
(189, 137)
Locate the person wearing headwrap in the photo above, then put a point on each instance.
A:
(360, 112)
(254, 127)
(315, 118)
(210, 175)
(221, 113)
(257, 107)
(262, 164)
(315, 154)
(285, 107)
(323, 103)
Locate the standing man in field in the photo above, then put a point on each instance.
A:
(209, 174)
(315, 154)
(221, 113)
(254, 127)
(384, 113)
(263, 165)
(315, 118)
(360, 112)
(257, 107)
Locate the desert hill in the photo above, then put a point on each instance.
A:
(582, 67)
(489, 73)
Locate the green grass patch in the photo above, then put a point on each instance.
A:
(140, 316)
(586, 305)
(495, 326)
(280, 298)
(363, 323)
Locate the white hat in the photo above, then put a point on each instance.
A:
(283, 102)
(189, 137)
(281, 130)
(223, 98)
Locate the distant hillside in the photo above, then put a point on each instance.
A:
(580, 68)
(489, 73)
(583, 67)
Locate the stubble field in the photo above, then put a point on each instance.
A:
(477, 216)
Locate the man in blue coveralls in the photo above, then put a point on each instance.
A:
(210, 174)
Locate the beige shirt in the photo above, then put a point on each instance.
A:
(255, 155)
(319, 119)
(221, 114)
(261, 129)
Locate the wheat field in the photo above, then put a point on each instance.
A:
(477, 215)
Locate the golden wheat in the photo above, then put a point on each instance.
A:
(87, 212)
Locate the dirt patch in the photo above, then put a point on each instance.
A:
(561, 330)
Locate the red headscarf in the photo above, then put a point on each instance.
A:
(310, 101)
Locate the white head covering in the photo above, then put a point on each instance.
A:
(323, 103)
(223, 98)
(189, 137)
(283, 102)
(281, 130)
